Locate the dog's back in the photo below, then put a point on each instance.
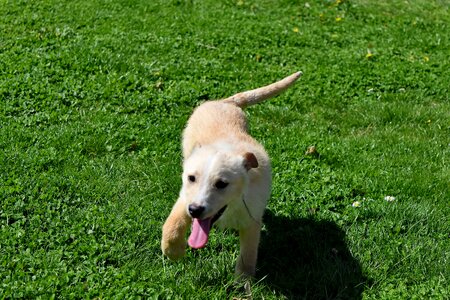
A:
(222, 119)
(213, 121)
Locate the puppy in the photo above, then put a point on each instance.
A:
(226, 177)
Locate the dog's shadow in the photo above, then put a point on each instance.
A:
(308, 259)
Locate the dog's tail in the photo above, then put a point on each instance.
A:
(251, 97)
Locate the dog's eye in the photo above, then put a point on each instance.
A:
(191, 178)
(221, 184)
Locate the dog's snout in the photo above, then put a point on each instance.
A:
(196, 210)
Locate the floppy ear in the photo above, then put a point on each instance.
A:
(195, 147)
(191, 150)
(250, 161)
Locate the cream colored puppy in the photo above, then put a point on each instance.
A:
(226, 177)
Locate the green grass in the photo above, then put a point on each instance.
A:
(94, 96)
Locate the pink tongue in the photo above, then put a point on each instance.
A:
(199, 233)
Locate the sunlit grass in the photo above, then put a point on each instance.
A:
(94, 96)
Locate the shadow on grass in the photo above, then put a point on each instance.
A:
(308, 259)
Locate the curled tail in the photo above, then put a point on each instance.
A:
(251, 97)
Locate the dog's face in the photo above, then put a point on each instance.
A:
(213, 178)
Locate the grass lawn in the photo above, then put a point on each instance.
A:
(94, 96)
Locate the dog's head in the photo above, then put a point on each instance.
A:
(211, 180)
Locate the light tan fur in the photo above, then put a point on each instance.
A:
(217, 147)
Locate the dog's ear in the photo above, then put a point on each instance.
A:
(250, 161)
(192, 150)
(196, 147)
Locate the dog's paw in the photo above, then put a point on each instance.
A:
(244, 272)
(174, 249)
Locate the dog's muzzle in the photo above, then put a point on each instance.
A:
(195, 210)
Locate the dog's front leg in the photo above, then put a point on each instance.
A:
(249, 241)
(173, 242)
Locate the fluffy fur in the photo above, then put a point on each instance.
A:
(224, 170)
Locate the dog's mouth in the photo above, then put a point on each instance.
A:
(200, 230)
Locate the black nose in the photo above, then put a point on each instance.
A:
(195, 210)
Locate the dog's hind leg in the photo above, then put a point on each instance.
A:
(249, 240)
(173, 242)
